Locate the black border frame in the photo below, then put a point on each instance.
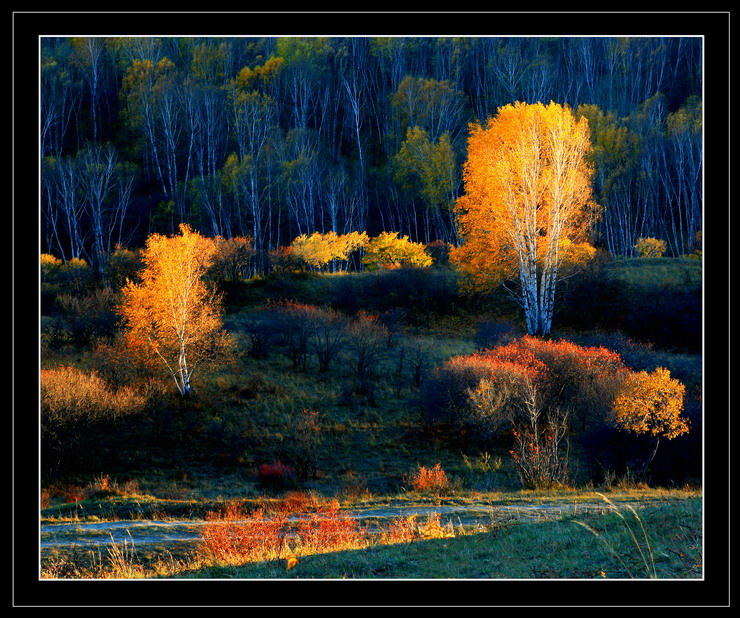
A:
(29, 591)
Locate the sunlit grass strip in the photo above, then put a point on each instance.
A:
(409, 547)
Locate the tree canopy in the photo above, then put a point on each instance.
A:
(527, 204)
(172, 317)
(272, 138)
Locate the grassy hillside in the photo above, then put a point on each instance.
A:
(264, 427)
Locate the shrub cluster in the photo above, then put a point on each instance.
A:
(300, 525)
(296, 525)
(543, 392)
(300, 331)
(485, 391)
(233, 258)
(432, 480)
(650, 247)
(77, 408)
(535, 388)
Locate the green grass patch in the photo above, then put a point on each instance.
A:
(656, 273)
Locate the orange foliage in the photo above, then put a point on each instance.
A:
(426, 479)
(233, 537)
(539, 355)
(541, 359)
(297, 526)
(651, 403)
(172, 317)
(527, 201)
(300, 525)
(542, 388)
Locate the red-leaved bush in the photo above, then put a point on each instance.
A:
(298, 524)
(541, 389)
(429, 479)
(275, 475)
(486, 391)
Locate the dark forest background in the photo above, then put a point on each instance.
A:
(269, 138)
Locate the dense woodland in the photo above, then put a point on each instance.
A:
(272, 138)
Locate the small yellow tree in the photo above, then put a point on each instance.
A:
(318, 250)
(651, 404)
(650, 247)
(389, 250)
(50, 265)
(172, 317)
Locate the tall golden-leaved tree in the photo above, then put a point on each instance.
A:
(172, 318)
(527, 207)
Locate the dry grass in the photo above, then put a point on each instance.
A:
(298, 525)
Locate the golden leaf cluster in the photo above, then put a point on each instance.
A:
(172, 316)
(651, 403)
(318, 249)
(527, 202)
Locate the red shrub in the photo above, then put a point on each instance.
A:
(429, 480)
(275, 475)
(327, 529)
(313, 527)
(233, 538)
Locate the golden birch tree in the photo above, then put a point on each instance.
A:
(527, 205)
(172, 317)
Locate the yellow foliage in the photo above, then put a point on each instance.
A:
(318, 249)
(76, 264)
(388, 250)
(576, 253)
(49, 265)
(527, 203)
(172, 316)
(268, 71)
(651, 403)
(69, 395)
(291, 561)
(48, 260)
(650, 247)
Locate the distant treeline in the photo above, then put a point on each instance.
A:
(273, 138)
